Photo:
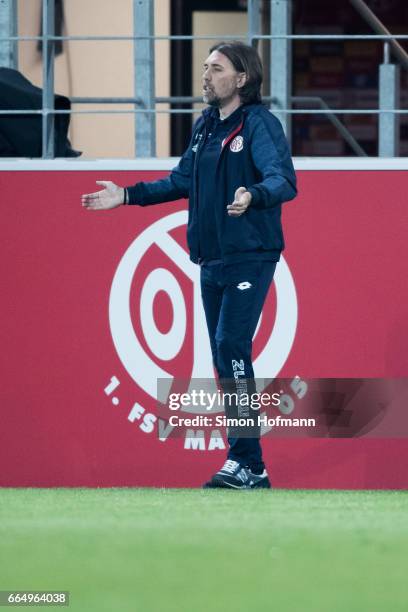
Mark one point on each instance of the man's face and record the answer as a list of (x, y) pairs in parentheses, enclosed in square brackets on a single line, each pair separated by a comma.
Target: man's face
[(221, 82)]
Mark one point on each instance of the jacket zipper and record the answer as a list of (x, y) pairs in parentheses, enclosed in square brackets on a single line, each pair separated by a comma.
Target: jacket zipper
[(199, 147)]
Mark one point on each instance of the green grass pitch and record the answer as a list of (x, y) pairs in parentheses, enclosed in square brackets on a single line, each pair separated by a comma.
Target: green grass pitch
[(159, 550)]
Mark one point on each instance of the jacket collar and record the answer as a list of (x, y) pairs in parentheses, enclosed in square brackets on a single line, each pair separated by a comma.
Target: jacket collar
[(213, 112)]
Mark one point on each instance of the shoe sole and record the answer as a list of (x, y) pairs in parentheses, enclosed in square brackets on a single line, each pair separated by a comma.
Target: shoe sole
[(221, 484)]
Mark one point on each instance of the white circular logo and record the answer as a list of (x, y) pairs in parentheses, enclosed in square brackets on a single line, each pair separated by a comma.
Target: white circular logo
[(166, 345), (237, 144)]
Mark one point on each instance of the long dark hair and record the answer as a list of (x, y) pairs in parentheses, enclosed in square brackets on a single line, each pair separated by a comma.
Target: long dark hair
[(244, 59)]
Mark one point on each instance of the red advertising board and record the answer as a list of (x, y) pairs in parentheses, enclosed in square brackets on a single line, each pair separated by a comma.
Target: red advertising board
[(96, 306)]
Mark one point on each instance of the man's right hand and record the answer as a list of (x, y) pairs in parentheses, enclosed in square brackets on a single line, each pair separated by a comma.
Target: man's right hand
[(110, 197)]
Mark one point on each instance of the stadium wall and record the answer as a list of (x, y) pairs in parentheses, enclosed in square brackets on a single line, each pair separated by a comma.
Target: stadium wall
[(85, 323)]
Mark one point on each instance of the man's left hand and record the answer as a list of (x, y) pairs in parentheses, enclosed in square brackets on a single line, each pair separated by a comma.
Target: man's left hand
[(242, 199)]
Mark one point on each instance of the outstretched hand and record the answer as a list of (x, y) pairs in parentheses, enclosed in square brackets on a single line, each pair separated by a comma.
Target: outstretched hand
[(242, 199), (110, 197)]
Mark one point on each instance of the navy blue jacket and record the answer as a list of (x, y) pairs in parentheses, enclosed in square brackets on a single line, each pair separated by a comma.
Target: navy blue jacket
[(254, 155)]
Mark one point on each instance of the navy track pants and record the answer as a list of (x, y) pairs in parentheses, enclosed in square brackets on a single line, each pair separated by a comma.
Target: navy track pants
[(233, 296)]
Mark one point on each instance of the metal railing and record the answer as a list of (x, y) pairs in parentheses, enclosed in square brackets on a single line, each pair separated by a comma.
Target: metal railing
[(280, 73)]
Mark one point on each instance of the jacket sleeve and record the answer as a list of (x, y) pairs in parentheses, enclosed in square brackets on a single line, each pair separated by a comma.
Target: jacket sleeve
[(270, 154), (173, 187)]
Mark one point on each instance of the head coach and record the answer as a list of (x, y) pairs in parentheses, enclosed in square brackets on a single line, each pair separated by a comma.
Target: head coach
[(236, 172)]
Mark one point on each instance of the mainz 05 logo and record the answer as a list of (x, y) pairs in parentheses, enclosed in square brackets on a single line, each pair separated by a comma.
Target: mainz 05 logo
[(158, 324)]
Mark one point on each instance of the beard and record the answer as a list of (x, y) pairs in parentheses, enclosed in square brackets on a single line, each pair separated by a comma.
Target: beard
[(215, 100), (211, 99)]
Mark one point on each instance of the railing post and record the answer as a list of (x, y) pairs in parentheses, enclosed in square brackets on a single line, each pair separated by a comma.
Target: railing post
[(145, 123), (8, 27), (389, 99), (254, 21), (281, 62), (48, 104)]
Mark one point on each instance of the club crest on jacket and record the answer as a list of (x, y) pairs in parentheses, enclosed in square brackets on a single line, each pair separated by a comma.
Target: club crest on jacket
[(237, 144)]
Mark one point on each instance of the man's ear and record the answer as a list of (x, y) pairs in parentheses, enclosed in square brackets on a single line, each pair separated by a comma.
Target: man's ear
[(242, 79)]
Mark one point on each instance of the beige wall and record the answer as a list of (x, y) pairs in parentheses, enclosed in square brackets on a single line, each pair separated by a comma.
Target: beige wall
[(212, 24), (99, 68)]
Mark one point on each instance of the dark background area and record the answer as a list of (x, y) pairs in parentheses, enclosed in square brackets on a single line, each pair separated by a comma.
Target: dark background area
[(343, 73)]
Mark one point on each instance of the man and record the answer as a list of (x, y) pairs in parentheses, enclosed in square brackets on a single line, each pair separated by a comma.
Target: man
[(236, 172)]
